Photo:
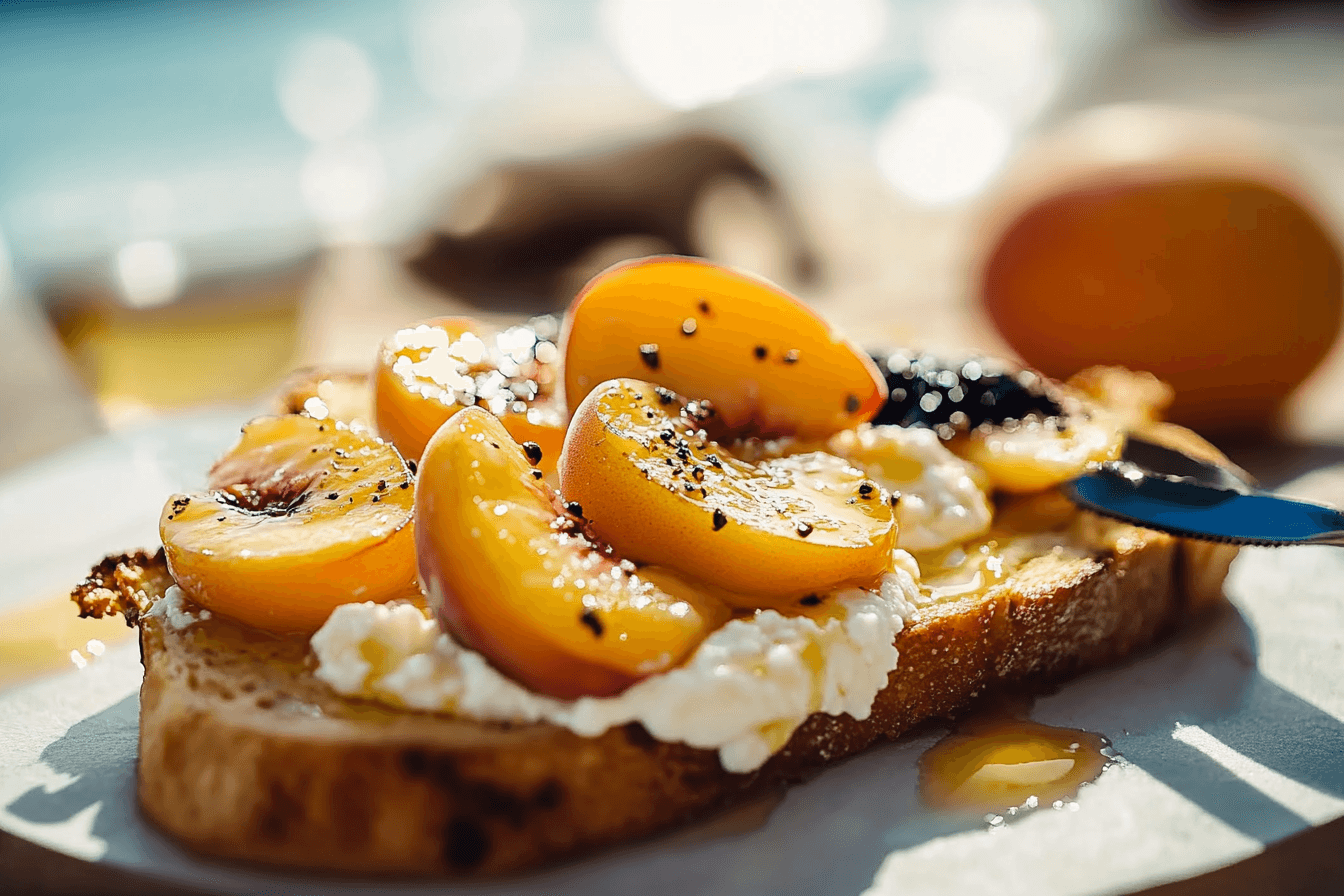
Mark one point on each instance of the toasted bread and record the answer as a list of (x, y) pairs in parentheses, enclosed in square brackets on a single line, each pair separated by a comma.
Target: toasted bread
[(245, 754)]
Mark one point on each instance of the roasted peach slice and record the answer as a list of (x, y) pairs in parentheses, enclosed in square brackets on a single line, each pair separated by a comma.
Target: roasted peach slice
[(426, 373), (513, 575), (656, 488), (328, 395), (767, 362), (1031, 455), (301, 515)]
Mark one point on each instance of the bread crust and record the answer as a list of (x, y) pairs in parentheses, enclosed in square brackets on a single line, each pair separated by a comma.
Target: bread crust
[(244, 754)]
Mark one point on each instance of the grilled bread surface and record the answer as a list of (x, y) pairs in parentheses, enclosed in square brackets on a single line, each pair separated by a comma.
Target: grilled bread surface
[(245, 754)]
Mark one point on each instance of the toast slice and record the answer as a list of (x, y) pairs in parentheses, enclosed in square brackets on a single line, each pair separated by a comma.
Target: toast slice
[(245, 754)]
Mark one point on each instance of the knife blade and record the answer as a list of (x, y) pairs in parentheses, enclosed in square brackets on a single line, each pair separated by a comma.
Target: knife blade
[(1190, 509)]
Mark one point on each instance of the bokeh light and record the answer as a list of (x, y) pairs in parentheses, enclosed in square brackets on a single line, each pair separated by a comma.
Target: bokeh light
[(998, 52), (688, 53), (327, 87), (149, 273), (343, 183), (468, 49), (941, 148)]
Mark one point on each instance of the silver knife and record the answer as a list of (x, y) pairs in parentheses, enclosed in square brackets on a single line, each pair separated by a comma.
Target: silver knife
[(1200, 500)]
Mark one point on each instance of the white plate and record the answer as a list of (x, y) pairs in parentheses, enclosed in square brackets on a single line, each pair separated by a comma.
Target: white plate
[(1231, 735)]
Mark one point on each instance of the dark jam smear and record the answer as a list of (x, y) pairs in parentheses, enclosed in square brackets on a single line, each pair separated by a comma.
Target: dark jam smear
[(955, 397)]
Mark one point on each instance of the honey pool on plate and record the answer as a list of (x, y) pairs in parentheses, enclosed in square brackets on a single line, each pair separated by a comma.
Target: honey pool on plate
[(47, 636), (997, 763)]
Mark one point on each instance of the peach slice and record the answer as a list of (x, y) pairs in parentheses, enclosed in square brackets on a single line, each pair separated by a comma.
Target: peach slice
[(1032, 455), (328, 395), (655, 487), (513, 575), (427, 372), (767, 362), (301, 515)]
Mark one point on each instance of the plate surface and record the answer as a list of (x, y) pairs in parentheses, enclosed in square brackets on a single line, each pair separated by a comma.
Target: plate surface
[(1232, 737)]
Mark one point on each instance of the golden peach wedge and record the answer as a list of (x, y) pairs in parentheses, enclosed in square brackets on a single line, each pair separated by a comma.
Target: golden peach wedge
[(1031, 455), (768, 363), (300, 516), (427, 372), (328, 394), (513, 575), (655, 487)]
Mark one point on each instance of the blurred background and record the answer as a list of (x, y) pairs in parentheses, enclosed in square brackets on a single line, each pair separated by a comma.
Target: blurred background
[(196, 199)]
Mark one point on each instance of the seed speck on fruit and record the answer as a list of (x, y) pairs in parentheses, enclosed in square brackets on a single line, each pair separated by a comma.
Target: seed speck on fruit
[(590, 619)]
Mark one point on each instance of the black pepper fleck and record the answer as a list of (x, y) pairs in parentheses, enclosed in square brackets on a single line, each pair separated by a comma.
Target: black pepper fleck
[(575, 508), (648, 353), (533, 452), (590, 619), (413, 467), (810, 601), (382, 485), (466, 844), (720, 519), (804, 529), (332, 496), (760, 352), (866, 489), (852, 403), (665, 396), (703, 306), (537, 474), (404, 485)]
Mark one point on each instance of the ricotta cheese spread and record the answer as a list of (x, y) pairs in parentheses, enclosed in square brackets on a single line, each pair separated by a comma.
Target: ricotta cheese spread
[(742, 692), (172, 609), (942, 503)]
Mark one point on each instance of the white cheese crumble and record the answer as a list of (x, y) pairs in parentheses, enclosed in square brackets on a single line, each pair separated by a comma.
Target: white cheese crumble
[(943, 499), (743, 691), (172, 609)]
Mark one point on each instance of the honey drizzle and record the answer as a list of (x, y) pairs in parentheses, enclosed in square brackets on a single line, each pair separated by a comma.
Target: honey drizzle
[(43, 637), (1000, 763)]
